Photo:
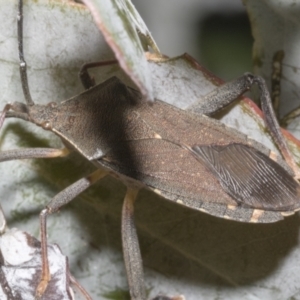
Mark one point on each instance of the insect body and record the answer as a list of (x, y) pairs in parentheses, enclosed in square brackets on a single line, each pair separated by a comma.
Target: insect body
[(184, 156), (195, 161), (140, 141)]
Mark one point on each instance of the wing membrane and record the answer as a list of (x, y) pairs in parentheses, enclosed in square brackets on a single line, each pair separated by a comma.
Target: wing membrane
[(249, 176)]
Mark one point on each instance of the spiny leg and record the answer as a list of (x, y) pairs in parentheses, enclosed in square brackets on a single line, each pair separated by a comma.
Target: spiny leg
[(229, 92), (55, 204), (131, 249)]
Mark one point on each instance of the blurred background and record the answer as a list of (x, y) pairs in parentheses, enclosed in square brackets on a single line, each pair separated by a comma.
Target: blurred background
[(215, 32)]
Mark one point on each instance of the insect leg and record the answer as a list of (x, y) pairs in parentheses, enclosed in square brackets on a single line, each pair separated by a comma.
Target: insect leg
[(26, 153), (272, 124), (222, 96), (86, 79), (80, 287), (131, 249), (55, 204)]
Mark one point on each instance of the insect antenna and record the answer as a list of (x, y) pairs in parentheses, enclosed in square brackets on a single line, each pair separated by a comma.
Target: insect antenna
[(17, 109), (23, 67)]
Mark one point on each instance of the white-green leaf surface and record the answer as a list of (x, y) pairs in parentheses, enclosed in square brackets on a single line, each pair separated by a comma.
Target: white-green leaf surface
[(128, 36)]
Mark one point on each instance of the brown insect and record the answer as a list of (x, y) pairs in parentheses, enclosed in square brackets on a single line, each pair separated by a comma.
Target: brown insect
[(184, 156)]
